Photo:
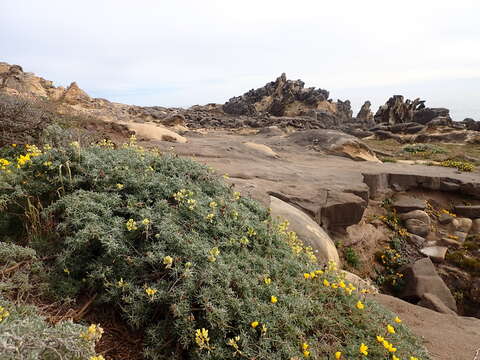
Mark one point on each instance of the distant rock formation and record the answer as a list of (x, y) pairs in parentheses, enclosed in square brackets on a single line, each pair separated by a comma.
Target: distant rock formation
[(365, 115), (397, 111), (290, 98)]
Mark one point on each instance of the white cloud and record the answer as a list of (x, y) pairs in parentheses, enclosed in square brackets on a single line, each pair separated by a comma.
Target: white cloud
[(185, 52)]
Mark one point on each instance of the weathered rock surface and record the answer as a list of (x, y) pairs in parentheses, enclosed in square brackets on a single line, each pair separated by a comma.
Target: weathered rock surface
[(365, 115), (417, 227), (436, 253), (335, 143), (421, 278), (405, 204), (431, 301), (472, 212), (307, 230), (447, 337), (397, 111)]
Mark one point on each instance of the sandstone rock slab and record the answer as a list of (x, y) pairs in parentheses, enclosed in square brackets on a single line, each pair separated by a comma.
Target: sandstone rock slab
[(307, 230)]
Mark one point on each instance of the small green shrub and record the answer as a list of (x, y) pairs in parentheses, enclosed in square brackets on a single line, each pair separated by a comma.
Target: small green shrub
[(26, 335), (204, 272), (351, 257)]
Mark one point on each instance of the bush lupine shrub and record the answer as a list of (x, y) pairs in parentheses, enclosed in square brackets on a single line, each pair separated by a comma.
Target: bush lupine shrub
[(206, 273), (26, 335)]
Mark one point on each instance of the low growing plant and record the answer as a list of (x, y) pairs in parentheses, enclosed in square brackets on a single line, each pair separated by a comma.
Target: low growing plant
[(203, 271)]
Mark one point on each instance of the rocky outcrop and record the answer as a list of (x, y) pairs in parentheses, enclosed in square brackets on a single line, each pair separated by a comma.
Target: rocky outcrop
[(334, 142), (471, 124), (290, 99), (421, 278), (277, 98), (397, 111), (365, 115)]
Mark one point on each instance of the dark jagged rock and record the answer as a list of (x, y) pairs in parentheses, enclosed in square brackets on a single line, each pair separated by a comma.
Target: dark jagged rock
[(397, 111), (284, 97), (365, 115), (471, 124)]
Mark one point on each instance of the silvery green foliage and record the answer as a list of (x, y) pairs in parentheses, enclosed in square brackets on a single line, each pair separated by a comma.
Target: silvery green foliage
[(24, 335)]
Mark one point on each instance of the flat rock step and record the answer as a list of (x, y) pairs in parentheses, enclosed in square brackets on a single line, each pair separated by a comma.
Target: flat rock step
[(472, 212)]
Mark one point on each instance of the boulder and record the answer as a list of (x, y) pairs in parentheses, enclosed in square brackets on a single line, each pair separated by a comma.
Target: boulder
[(335, 143), (436, 253), (404, 204), (417, 227), (154, 132), (416, 214), (461, 224), (74, 95), (471, 211), (341, 210), (306, 229), (416, 240), (421, 278), (445, 219), (358, 282), (173, 120), (431, 301)]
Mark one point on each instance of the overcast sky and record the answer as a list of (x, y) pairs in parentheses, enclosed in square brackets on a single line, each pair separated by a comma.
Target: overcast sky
[(180, 53)]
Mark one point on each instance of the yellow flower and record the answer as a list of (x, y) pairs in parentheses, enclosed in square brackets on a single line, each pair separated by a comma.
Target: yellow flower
[(325, 282), (363, 349), (360, 305), (254, 324), (395, 358), (264, 329), (213, 204), (210, 217), (226, 176), (168, 261), (306, 275), (397, 320), (202, 339), (306, 353), (334, 286), (318, 272), (305, 346), (215, 251), (120, 186), (98, 357), (211, 258), (3, 313), (131, 225), (66, 271), (380, 339), (47, 163), (93, 333), (14, 145), (338, 355), (342, 284), (236, 195), (121, 283), (267, 281), (390, 329), (273, 299), (414, 358), (146, 221), (150, 291)]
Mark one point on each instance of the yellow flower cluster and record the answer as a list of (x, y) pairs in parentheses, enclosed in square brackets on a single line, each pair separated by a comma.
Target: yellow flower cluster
[(3, 313), (151, 292), (131, 225), (234, 343), (202, 339), (236, 196), (4, 163), (263, 329), (295, 243), (93, 333), (168, 261), (213, 253), (106, 144), (305, 351), (121, 284)]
